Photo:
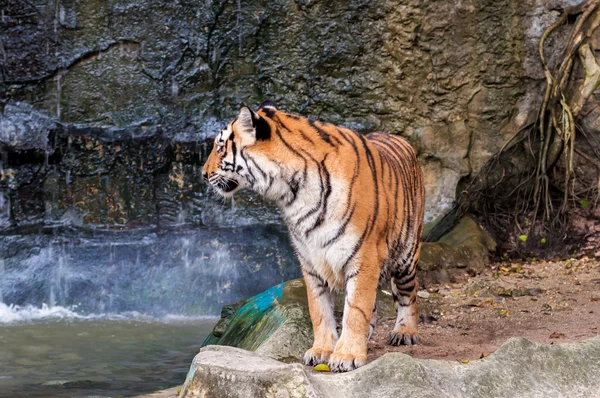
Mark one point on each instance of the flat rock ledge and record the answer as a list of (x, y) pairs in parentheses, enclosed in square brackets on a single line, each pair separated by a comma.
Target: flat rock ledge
[(519, 368)]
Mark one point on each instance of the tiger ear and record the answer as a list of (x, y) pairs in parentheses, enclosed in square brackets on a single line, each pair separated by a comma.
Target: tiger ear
[(252, 126), (245, 121)]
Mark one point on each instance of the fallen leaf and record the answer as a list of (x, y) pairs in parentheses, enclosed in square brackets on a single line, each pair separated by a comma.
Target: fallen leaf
[(322, 367), (557, 335), (504, 313), (464, 361)]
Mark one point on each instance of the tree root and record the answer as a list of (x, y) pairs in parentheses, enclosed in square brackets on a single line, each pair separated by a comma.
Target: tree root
[(538, 189)]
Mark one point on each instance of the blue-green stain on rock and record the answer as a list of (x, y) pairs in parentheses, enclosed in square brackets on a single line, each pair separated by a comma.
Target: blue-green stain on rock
[(266, 299), (254, 321)]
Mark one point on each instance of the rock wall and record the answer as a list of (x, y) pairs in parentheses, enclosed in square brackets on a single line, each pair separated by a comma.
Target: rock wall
[(106, 104)]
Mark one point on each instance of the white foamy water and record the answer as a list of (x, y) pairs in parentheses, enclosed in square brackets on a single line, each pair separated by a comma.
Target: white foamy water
[(11, 314), (14, 313)]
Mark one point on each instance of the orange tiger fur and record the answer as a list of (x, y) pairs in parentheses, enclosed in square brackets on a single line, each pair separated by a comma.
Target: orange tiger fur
[(354, 209)]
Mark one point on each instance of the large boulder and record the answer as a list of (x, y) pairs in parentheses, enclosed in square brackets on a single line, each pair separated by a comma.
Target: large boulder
[(519, 368), (466, 246)]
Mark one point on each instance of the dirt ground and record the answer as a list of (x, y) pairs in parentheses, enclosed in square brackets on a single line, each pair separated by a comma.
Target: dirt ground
[(544, 301)]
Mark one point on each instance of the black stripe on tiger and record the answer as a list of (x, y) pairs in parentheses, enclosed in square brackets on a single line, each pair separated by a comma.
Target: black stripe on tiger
[(324, 199)]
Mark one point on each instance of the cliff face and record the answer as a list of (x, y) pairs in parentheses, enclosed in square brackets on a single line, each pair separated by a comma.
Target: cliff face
[(107, 104)]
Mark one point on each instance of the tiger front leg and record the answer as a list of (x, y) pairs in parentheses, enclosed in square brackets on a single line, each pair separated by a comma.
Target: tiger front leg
[(320, 306), (351, 349)]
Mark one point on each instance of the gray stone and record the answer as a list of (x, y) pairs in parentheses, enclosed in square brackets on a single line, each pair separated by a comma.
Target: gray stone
[(519, 368), (22, 127), (466, 245)]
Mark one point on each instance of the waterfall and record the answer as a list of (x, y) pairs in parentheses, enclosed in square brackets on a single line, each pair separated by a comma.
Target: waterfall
[(134, 273)]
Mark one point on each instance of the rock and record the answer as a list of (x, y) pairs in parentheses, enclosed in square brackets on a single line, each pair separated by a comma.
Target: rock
[(274, 323), (168, 393), (227, 313), (522, 291), (544, 371), (22, 127), (467, 245), (423, 294)]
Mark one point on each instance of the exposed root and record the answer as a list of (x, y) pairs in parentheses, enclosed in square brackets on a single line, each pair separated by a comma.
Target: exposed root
[(538, 185)]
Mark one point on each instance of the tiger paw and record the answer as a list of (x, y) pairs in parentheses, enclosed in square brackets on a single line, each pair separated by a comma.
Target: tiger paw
[(315, 356), (405, 336), (339, 362)]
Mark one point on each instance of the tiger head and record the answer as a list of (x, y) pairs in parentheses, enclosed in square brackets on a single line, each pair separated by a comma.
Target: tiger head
[(227, 169)]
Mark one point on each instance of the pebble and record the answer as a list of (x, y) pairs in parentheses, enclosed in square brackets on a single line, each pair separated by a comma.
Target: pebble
[(423, 294)]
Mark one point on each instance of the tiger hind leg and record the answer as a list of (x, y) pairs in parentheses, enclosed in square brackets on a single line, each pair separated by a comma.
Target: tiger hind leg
[(373, 322), (404, 292)]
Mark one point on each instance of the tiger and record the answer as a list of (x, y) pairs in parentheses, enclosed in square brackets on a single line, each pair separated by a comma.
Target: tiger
[(354, 209)]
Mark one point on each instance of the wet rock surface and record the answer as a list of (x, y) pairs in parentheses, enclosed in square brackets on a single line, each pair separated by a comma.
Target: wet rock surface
[(457, 79), (519, 368), (79, 177)]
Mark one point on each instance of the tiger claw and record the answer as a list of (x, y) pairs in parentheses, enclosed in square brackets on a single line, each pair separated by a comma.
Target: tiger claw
[(339, 363), (397, 339), (316, 356)]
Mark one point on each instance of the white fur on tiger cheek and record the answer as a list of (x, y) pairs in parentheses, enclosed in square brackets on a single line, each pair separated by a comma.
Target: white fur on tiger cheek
[(271, 181)]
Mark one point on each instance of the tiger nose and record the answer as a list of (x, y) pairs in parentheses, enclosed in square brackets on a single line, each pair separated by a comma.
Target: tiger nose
[(205, 175)]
